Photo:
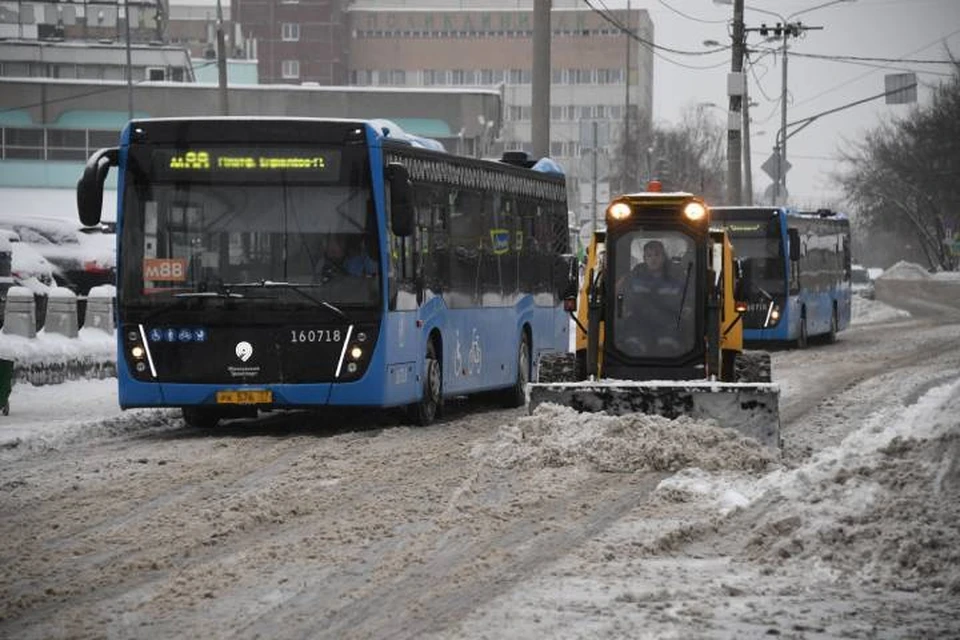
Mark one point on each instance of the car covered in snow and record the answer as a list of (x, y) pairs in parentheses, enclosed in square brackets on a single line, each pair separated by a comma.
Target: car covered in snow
[(28, 267), (82, 257)]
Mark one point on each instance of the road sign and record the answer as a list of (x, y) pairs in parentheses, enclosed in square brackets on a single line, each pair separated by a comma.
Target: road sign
[(770, 166), (900, 88)]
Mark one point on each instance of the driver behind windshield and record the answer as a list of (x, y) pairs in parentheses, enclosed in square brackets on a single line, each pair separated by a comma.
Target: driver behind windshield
[(655, 312)]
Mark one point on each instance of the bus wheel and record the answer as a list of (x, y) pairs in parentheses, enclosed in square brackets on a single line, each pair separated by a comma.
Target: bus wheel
[(430, 406), (803, 339), (516, 395), (200, 417)]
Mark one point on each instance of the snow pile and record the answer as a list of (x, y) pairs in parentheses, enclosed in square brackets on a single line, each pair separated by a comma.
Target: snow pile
[(904, 270), (90, 344), (947, 276), (865, 311), (557, 436), (881, 508)]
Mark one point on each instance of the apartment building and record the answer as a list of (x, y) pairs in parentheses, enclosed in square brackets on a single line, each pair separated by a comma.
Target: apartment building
[(489, 43), (296, 41)]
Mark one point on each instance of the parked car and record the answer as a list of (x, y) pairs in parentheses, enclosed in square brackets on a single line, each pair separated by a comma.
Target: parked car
[(83, 257), (861, 281), (28, 267)]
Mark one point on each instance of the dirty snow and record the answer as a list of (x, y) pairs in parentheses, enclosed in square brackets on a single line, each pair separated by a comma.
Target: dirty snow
[(858, 539)]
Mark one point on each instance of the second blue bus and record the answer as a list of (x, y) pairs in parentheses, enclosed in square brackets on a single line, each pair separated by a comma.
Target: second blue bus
[(800, 266)]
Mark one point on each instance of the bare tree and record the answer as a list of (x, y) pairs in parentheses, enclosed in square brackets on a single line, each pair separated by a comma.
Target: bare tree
[(690, 156), (903, 181)]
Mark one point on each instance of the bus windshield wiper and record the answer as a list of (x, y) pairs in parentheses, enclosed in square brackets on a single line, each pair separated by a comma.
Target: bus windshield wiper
[(296, 288), (223, 293)]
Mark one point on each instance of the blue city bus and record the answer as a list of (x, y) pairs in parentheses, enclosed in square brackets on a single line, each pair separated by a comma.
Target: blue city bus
[(229, 301), (799, 266)]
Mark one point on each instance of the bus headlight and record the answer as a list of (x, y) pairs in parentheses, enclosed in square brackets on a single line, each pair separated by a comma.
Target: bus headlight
[(619, 211), (695, 211), (356, 353), (138, 352)]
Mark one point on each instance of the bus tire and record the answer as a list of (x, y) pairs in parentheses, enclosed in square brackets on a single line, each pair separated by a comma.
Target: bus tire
[(200, 417), (516, 395), (430, 406), (803, 340)]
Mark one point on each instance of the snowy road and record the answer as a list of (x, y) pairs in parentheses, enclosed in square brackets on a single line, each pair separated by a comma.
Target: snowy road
[(497, 525)]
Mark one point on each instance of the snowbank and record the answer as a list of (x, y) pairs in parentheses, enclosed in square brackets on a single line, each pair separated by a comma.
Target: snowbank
[(904, 270)]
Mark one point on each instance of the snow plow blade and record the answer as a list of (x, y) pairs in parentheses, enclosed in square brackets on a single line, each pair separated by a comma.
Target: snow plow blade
[(750, 408)]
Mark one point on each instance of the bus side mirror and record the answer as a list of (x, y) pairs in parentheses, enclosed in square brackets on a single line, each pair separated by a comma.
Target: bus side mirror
[(566, 280), (401, 200), (90, 185), (793, 237)]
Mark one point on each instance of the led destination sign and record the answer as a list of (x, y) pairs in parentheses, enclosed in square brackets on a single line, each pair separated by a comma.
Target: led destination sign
[(230, 164)]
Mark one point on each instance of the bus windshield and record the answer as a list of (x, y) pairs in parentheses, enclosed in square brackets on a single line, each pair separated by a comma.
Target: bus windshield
[(220, 221), (757, 243)]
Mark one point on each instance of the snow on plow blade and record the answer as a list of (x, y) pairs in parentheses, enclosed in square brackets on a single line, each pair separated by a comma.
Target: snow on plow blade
[(750, 408)]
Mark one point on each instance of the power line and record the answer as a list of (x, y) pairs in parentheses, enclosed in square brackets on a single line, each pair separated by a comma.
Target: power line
[(606, 15), (864, 75), (689, 17), (845, 58)]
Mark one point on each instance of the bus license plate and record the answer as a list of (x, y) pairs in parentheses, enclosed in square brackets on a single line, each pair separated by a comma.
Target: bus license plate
[(247, 396)]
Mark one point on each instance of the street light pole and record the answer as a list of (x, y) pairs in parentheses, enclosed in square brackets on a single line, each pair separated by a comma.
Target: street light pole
[(747, 164)]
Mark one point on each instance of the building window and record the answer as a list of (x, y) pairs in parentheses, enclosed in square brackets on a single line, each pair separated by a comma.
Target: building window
[(290, 69), (290, 31)]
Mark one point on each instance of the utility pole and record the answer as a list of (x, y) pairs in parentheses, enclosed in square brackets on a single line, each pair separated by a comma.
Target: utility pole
[(735, 88), (786, 29), (222, 62), (540, 89), (126, 23), (627, 145)]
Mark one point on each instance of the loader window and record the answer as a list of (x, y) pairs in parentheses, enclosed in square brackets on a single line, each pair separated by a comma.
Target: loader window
[(656, 296)]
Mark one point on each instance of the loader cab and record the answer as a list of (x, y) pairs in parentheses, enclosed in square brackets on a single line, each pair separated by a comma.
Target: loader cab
[(656, 301)]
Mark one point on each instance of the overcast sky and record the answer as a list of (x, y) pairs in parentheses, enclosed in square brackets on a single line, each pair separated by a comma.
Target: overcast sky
[(893, 29), (898, 29)]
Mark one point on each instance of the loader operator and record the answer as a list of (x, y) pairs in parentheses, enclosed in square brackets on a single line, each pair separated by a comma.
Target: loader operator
[(654, 322)]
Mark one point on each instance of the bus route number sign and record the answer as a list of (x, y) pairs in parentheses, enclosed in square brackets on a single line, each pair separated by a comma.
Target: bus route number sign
[(165, 269)]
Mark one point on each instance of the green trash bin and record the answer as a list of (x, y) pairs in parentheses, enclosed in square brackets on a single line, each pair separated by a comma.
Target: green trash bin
[(6, 384)]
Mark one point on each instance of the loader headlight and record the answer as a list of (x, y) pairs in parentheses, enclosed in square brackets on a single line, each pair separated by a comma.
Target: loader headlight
[(695, 211), (619, 211)]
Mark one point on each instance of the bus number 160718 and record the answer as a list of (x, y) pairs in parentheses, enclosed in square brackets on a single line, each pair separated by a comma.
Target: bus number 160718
[(315, 335)]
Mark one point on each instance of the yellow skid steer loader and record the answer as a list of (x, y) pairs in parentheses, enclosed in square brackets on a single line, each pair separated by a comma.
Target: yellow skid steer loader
[(659, 329)]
